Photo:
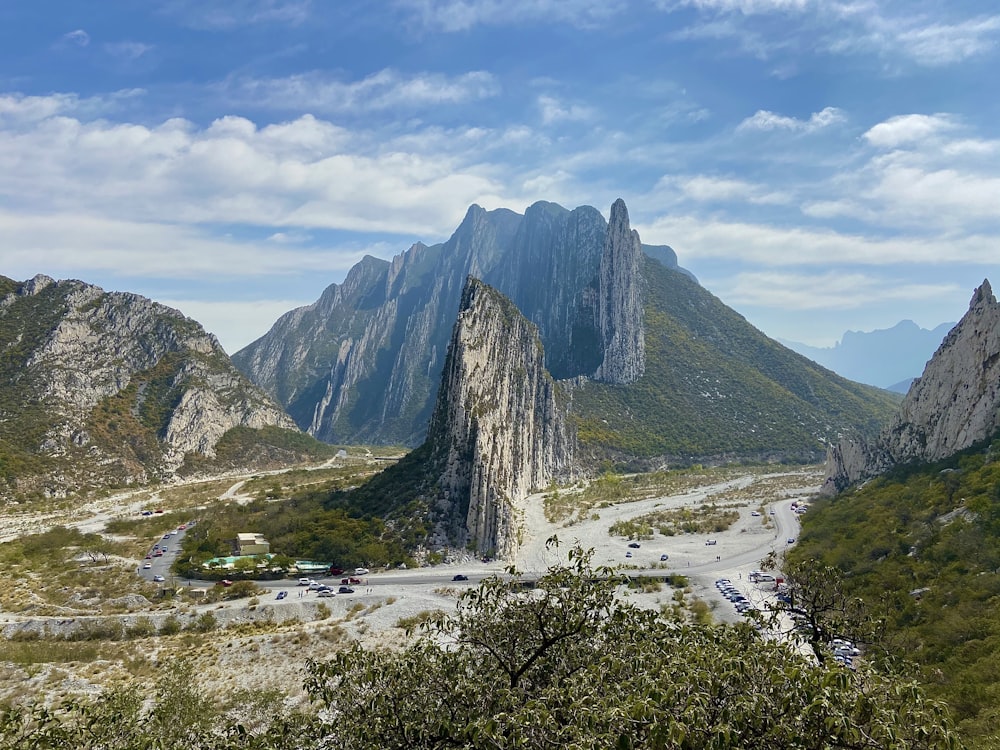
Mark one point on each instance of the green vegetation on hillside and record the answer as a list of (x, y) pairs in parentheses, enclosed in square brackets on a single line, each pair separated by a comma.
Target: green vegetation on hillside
[(715, 386), (921, 545)]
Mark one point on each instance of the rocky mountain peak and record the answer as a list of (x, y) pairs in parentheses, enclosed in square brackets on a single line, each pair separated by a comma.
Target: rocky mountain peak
[(620, 308), (952, 406), (497, 431)]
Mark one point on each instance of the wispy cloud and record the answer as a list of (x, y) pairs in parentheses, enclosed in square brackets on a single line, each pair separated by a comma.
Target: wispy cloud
[(127, 50), (766, 120), (460, 15), (833, 290), (229, 14), (387, 89), (553, 110), (708, 189), (78, 37)]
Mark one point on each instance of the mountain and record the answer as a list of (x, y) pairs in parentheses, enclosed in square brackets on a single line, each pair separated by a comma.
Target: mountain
[(363, 363), (674, 377), (108, 388), (953, 405), (889, 358)]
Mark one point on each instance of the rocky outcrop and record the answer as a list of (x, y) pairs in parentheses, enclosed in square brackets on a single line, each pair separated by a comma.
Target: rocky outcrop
[(498, 431), (952, 406), (115, 380), (362, 363), (620, 310)]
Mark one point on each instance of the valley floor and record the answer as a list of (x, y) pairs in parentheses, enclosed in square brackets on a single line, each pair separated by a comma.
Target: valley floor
[(264, 643)]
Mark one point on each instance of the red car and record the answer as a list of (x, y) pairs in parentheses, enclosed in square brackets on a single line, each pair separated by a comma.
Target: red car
[(349, 581), (335, 571), (224, 582)]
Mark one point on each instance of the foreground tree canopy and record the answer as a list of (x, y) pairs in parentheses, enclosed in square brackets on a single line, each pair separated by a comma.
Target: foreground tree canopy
[(565, 664)]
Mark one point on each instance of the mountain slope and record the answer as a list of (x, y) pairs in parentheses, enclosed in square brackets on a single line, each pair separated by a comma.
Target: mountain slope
[(363, 363), (108, 388), (715, 388)]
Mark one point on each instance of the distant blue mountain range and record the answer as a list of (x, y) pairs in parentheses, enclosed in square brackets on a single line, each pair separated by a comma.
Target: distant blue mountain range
[(888, 358)]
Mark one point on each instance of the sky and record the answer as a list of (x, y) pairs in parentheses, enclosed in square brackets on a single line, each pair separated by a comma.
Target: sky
[(819, 165)]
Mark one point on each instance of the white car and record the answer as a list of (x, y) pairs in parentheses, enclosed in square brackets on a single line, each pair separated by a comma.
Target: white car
[(305, 581), (361, 571), (147, 566)]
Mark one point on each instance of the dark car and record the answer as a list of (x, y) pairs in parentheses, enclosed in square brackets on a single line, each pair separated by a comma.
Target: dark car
[(335, 571), (459, 577), (664, 557), (634, 545), (345, 590), (282, 594)]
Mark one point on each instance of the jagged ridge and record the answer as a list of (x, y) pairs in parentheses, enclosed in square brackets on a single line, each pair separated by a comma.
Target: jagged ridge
[(953, 405), (108, 387)]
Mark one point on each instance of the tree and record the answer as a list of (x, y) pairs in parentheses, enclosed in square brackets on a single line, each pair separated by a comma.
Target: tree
[(568, 663)]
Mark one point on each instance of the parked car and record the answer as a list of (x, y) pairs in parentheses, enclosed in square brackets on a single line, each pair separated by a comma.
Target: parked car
[(634, 545), (664, 557), (159, 579), (754, 513), (345, 590), (335, 571), (281, 595), (224, 582), (147, 513), (791, 540), (147, 566), (325, 592), (361, 571), (710, 542), (628, 554), (459, 577), (305, 581)]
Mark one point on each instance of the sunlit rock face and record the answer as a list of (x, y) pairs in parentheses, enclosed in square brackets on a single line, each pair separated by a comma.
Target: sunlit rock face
[(498, 429), (953, 405), (126, 387)]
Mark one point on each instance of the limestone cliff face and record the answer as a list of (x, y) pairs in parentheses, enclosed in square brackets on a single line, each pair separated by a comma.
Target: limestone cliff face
[(362, 364), (498, 429), (620, 311), (117, 380), (953, 405)]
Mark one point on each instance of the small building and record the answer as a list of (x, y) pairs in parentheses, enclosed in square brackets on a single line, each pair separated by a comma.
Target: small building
[(252, 544)]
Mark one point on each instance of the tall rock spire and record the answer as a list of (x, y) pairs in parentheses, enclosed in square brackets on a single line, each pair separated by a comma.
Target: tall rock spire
[(620, 311), (498, 432)]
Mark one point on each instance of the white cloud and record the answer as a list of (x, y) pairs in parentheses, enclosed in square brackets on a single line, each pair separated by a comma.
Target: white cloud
[(833, 290), (77, 36), (944, 44), (700, 238), (907, 129), (460, 15), (708, 189), (387, 89), (127, 50), (229, 14), (765, 120), (555, 111), (235, 323), (746, 7)]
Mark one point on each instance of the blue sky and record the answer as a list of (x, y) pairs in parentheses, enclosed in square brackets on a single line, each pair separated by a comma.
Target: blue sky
[(820, 165)]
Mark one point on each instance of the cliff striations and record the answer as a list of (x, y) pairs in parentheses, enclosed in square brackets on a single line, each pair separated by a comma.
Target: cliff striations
[(497, 431), (108, 387), (621, 306), (362, 363), (953, 405)]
